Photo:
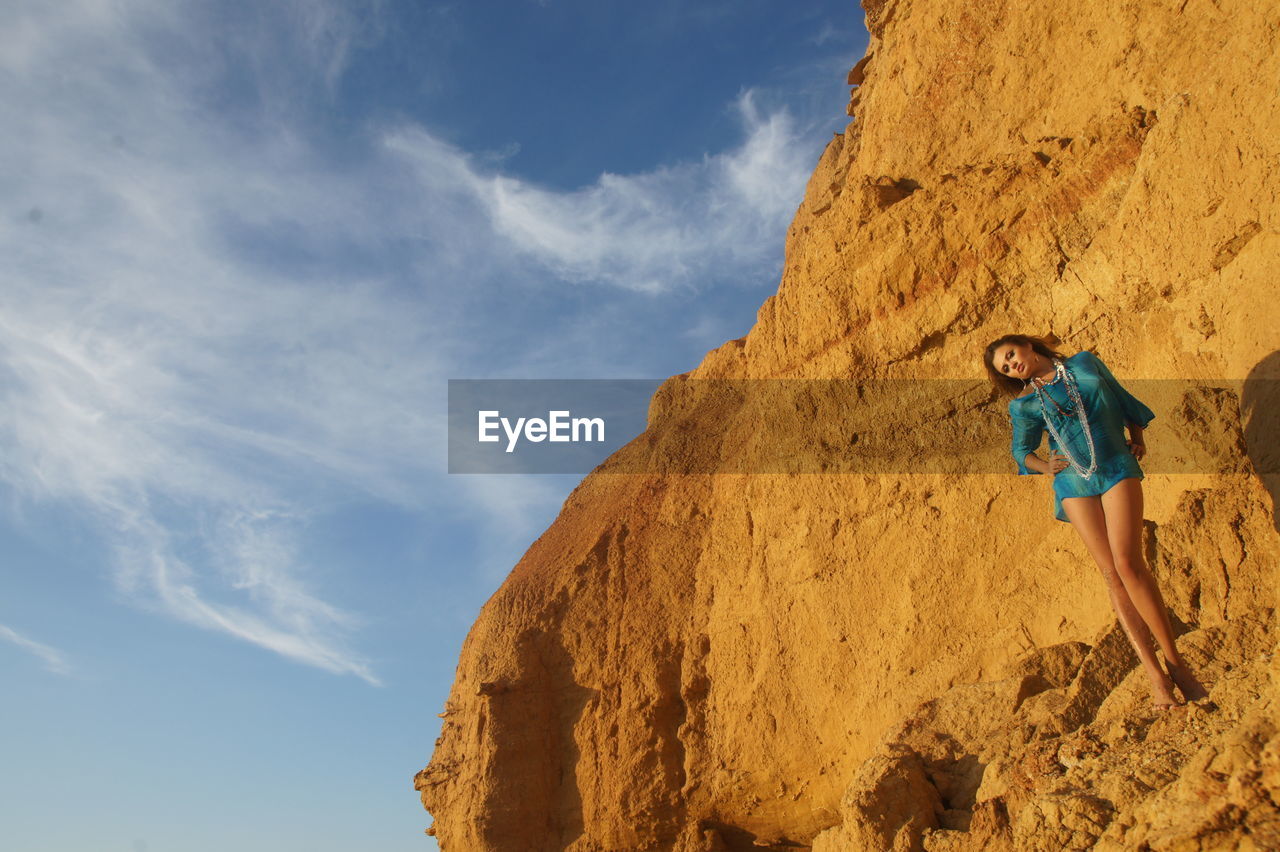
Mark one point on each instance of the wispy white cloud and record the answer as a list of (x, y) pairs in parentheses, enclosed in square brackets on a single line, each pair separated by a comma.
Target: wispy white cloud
[(329, 32), (54, 660), (678, 226), (200, 399), (254, 558), (210, 333)]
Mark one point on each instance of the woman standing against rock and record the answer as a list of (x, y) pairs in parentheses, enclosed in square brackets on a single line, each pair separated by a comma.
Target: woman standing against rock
[(1097, 482)]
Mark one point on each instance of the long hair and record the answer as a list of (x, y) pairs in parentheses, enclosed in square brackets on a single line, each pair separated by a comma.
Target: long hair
[(1008, 385)]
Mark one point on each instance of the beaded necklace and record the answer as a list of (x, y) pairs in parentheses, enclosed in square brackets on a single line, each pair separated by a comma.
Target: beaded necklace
[(1073, 391)]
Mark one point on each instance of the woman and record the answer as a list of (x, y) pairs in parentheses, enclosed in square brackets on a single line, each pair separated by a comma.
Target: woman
[(1096, 482)]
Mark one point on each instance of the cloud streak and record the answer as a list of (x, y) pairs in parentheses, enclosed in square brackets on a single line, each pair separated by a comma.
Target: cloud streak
[(681, 226), (53, 659)]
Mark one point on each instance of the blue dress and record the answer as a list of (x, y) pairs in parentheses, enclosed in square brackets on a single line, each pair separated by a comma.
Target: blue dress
[(1109, 407)]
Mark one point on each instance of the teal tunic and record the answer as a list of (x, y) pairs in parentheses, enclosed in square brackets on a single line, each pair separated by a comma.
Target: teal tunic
[(1109, 407)]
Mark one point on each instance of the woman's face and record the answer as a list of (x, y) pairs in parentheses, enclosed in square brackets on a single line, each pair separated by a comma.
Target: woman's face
[(1016, 362)]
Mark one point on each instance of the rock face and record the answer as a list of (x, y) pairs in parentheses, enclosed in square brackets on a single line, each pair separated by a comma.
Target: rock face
[(907, 660)]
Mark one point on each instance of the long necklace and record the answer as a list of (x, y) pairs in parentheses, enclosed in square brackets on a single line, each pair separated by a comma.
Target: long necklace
[(1073, 391)]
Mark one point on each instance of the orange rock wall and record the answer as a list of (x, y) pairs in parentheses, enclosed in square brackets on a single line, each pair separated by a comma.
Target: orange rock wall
[(929, 660)]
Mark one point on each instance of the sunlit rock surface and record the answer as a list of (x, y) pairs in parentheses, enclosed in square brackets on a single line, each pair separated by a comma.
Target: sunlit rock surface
[(894, 659)]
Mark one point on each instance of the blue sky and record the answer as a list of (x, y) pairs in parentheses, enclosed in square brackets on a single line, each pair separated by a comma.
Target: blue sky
[(246, 245)]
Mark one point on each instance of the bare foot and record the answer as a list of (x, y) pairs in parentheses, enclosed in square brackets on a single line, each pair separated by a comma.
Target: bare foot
[(1162, 697), (1191, 689)]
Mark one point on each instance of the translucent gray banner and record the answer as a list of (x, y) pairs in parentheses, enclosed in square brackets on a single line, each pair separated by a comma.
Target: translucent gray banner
[(952, 426)]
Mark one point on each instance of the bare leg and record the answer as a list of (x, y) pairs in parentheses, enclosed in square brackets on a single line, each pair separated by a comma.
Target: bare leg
[(1086, 515), (1122, 506)]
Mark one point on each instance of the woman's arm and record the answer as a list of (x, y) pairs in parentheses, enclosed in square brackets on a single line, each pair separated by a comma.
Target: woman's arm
[(1027, 434), (1034, 464)]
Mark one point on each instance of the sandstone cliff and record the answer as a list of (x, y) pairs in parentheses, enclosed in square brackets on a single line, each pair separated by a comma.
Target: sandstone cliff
[(872, 660)]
